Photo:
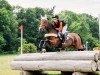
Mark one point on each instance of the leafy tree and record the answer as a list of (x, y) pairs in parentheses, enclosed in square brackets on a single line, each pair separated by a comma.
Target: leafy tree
[(2, 42), (8, 27), (30, 19), (93, 24), (5, 4)]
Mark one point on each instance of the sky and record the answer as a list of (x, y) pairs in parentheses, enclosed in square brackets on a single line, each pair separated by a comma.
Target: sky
[(79, 6)]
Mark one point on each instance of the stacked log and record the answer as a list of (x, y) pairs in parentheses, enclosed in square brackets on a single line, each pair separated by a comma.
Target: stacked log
[(79, 62), (74, 55)]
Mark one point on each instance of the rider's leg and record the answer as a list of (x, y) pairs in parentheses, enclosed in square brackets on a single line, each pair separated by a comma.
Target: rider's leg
[(65, 33), (64, 37), (60, 34), (64, 29)]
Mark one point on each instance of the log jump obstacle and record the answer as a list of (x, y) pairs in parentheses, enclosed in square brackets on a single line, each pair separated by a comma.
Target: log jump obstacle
[(78, 62)]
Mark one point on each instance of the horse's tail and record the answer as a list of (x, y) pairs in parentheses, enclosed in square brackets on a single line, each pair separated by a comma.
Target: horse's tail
[(82, 42), (80, 38)]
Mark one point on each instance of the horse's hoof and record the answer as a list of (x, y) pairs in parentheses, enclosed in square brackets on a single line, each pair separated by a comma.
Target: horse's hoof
[(62, 51), (63, 43), (43, 51)]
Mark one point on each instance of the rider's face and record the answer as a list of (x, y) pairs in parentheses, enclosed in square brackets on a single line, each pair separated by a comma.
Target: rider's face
[(55, 19)]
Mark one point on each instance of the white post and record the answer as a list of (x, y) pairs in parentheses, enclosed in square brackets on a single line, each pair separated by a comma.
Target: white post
[(87, 45), (22, 40)]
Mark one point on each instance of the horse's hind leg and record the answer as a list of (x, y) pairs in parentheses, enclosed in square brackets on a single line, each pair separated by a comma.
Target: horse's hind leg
[(81, 49)]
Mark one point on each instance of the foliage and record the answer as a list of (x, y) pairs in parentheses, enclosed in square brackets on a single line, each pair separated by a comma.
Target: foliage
[(2, 42), (30, 18), (5, 4), (28, 48), (8, 28)]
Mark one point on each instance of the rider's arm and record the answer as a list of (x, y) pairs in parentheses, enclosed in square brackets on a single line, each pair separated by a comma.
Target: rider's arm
[(60, 27)]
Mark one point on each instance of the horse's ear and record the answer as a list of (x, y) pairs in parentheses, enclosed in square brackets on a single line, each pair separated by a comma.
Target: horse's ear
[(44, 17)]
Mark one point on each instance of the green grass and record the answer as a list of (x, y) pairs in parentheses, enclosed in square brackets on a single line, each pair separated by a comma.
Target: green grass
[(5, 68), (5, 61)]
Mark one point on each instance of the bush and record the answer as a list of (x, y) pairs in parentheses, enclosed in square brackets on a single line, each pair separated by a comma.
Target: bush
[(28, 48), (96, 48)]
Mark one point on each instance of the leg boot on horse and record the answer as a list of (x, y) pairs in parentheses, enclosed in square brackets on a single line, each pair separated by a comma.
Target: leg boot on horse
[(42, 46)]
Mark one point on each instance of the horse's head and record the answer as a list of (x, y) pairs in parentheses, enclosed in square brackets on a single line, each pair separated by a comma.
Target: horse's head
[(44, 23)]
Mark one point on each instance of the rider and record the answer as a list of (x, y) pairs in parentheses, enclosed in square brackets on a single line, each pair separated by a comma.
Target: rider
[(61, 29)]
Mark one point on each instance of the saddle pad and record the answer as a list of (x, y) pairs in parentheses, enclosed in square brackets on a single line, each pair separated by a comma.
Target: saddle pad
[(50, 34)]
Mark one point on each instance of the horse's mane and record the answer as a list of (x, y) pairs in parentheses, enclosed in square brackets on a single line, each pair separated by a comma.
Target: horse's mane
[(49, 24), (50, 27)]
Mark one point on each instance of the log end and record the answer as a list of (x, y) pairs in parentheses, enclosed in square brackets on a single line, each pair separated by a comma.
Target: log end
[(98, 64), (94, 66), (96, 57)]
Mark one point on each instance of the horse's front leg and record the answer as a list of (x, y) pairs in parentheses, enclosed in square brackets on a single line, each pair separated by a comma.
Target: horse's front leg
[(43, 50), (42, 46)]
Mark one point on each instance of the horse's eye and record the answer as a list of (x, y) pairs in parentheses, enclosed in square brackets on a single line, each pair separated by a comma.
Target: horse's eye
[(48, 37)]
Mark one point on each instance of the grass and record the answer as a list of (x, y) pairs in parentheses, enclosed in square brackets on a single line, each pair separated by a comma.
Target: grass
[(5, 61), (5, 68)]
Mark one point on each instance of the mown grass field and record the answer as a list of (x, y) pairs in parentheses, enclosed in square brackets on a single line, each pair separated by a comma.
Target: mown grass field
[(5, 69), (5, 61)]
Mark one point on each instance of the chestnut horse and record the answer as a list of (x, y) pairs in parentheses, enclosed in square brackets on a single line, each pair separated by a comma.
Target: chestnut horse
[(73, 40)]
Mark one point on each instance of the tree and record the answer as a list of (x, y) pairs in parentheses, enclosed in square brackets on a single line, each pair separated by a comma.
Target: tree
[(93, 24), (30, 19), (50, 11), (2, 42), (8, 28), (5, 4)]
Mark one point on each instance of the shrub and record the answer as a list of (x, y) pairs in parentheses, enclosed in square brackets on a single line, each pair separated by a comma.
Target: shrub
[(28, 48)]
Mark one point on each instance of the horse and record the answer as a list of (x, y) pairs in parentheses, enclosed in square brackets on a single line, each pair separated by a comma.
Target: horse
[(73, 39)]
